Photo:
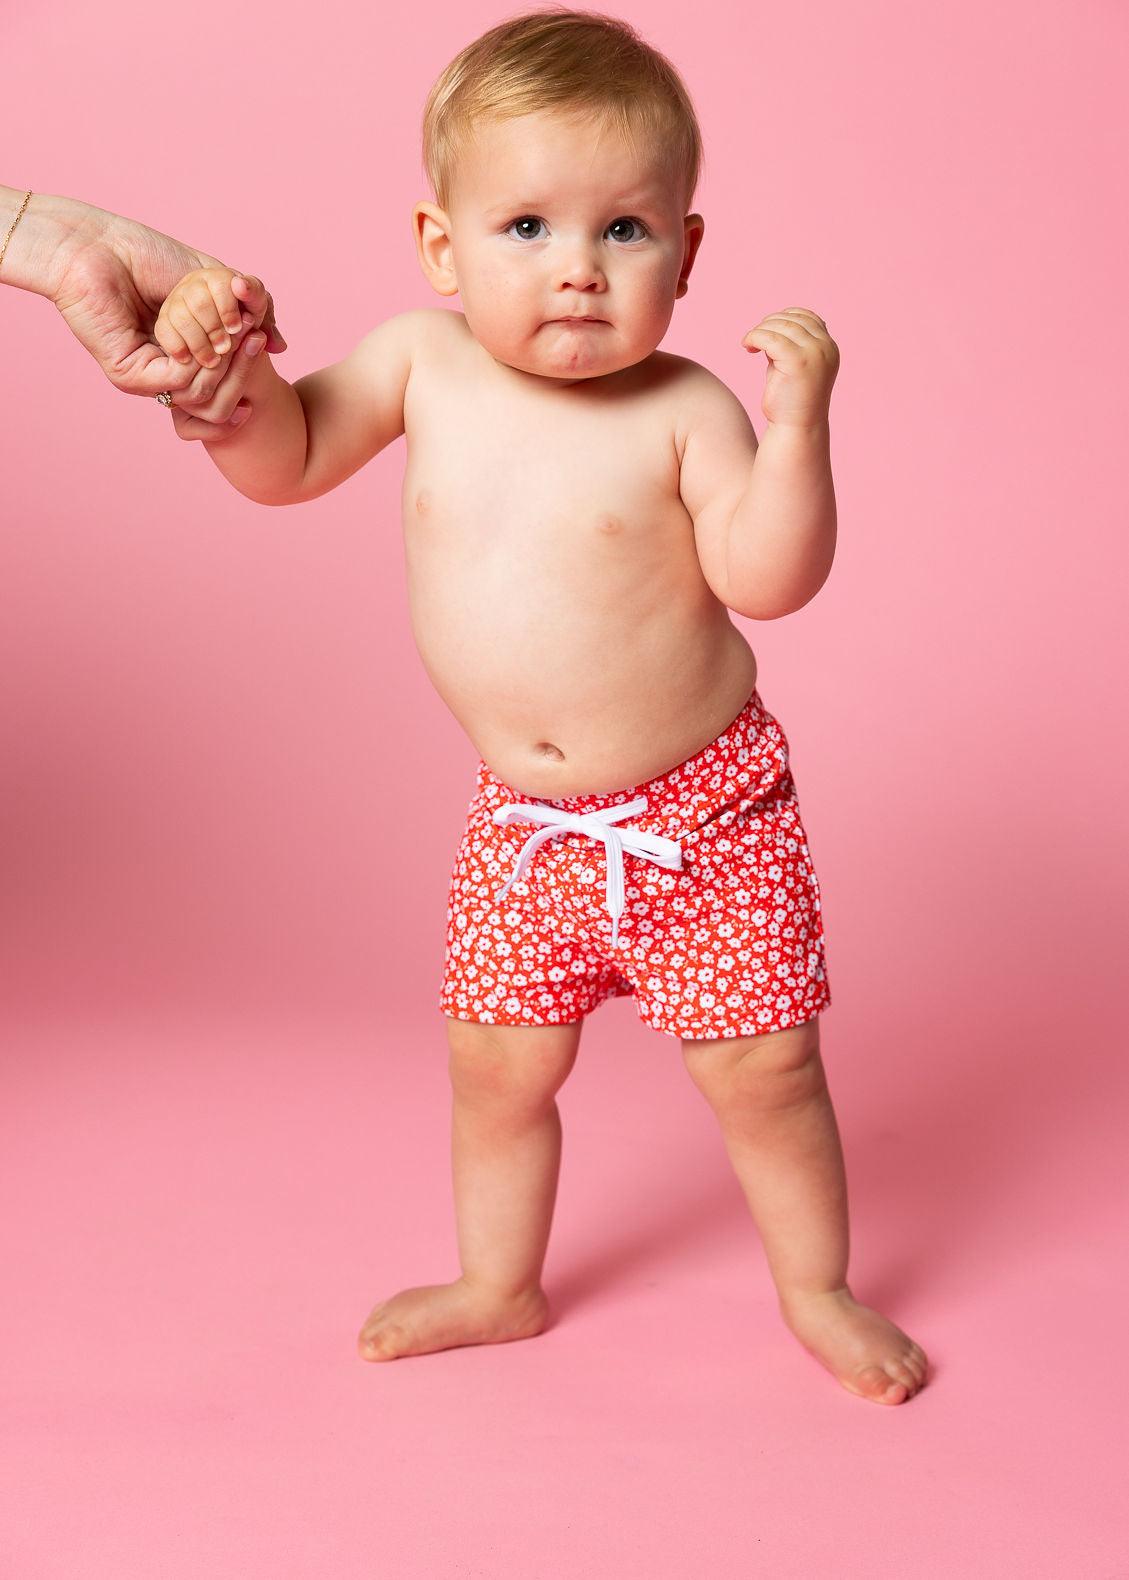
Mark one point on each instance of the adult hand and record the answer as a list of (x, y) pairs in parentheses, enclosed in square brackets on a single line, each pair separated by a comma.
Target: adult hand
[(111, 278)]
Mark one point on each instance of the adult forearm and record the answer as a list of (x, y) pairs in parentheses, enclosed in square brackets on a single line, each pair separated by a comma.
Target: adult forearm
[(51, 229), (781, 540), (46, 227), (265, 459)]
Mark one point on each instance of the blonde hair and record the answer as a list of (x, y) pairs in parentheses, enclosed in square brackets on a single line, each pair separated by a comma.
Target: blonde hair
[(558, 59)]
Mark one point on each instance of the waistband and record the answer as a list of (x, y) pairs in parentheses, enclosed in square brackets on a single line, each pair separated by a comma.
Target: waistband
[(748, 758)]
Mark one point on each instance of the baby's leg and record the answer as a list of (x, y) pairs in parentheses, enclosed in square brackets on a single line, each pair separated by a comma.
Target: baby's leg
[(771, 1097), (506, 1154)]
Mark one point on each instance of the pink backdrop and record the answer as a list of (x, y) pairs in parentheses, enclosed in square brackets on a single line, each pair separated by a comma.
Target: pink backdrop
[(230, 800)]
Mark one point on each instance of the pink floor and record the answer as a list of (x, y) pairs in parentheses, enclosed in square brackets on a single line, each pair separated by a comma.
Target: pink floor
[(198, 1218)]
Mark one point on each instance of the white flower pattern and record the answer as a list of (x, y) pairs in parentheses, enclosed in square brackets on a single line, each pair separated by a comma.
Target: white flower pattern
[(730, 946)]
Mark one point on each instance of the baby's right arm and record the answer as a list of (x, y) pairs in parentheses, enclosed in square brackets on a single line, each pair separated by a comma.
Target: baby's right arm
[(301, 439)]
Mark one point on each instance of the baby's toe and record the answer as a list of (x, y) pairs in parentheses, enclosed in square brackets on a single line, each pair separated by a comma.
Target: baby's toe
[(917, 1364), (876, 1383), (901, 1371), (383, 1341), (369, 1338)]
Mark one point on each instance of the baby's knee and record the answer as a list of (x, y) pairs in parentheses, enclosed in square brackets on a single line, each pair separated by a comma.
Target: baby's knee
[(773, 1069), (510, 1068)]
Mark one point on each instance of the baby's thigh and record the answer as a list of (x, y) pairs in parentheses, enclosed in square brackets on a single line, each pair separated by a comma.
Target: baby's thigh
[(511, 1067)]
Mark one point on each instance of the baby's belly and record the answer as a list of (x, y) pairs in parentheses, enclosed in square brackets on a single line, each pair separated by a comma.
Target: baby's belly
[(580, 689)]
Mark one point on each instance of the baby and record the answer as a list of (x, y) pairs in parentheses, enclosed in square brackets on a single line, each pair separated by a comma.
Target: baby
[(581, 512)]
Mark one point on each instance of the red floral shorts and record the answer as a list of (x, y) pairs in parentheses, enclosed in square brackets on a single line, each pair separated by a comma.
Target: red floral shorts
[(694, 891)]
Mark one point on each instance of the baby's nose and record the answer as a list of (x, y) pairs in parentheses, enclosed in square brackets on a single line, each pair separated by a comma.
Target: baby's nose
[(580, 270)]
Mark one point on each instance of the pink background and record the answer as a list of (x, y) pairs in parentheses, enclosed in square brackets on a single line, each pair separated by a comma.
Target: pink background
[(230, 801)]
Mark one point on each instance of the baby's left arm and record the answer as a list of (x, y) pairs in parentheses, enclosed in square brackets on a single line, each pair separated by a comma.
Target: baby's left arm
[(764, 515)]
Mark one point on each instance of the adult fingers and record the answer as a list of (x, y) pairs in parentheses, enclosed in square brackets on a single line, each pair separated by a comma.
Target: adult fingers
[(190, 427), (218, 406), (192, 385)]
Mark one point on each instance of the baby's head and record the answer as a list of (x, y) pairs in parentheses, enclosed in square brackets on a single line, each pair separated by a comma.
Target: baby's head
[(564, 153)]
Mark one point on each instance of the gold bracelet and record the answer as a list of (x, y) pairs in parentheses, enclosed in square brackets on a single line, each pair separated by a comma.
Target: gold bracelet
[(12, 227)]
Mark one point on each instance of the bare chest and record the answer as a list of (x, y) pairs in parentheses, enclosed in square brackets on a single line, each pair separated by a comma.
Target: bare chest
[(555, 591), (564, 495)]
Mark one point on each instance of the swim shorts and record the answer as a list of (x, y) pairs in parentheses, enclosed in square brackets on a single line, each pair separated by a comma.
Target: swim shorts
[(693, 891)]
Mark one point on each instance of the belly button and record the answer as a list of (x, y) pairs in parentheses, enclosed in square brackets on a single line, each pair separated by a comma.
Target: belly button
[(547, 749)]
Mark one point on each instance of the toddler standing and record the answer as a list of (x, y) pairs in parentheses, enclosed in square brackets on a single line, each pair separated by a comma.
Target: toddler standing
[(581, 513)]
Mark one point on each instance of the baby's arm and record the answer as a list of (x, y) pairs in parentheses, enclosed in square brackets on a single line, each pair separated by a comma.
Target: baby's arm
[(303, 439), (762, 543)]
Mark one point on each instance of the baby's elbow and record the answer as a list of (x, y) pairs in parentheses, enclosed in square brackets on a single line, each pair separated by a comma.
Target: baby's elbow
[(763, 613), (766, 608), (274, 500)]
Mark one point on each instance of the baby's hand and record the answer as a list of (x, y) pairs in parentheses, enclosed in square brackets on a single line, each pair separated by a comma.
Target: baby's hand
[(205, 318), (803, 361), (202, 314), (216, 415)]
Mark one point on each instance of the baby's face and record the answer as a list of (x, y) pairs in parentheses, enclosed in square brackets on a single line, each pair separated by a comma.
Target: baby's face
[(568, 250)]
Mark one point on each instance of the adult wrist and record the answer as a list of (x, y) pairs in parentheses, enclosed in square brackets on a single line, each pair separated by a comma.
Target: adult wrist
[(46, 231)]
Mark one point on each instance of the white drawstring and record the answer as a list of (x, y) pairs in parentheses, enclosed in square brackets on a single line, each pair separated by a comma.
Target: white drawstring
[(636, 842)]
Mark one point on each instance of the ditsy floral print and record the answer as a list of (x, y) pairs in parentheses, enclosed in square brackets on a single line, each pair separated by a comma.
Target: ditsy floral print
[(729, 946)]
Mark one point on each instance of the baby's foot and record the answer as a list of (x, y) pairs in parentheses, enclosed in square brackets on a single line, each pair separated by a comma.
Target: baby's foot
[(443, 1316), (865, 1351)]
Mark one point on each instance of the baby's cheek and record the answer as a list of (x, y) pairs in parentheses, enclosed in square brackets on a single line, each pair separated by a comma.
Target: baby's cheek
[(658, 292), (500, 296)]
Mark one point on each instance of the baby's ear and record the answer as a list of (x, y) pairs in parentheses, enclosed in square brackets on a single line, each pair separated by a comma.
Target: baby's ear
[(694, 227), (431, 230)]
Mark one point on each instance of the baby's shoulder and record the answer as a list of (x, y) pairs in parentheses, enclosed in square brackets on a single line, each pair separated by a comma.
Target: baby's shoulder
[(433, 335), (697, 395), (433, 323), (438, 319), (421, 327), (690, 378)]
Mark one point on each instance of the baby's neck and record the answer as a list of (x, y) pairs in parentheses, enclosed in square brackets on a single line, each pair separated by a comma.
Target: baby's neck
[(536, 384)]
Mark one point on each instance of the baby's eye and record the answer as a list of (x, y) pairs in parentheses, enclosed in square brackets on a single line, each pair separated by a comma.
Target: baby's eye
[(531, 219), (637, 226), (526, 219)]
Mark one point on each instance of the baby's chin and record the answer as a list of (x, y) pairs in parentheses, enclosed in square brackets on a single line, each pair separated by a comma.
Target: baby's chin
[(589, 353)]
